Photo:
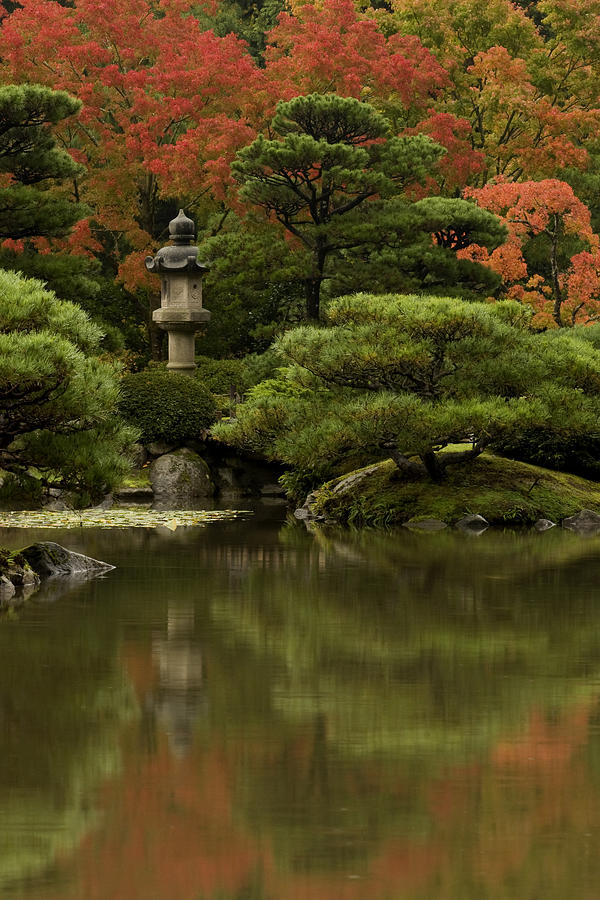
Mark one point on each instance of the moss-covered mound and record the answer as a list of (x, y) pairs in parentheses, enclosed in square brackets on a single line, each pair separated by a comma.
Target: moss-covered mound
[(503, 491)]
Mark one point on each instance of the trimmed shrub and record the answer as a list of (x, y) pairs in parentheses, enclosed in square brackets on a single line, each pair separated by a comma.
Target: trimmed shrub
[(218, 375), (575, 453), (166, 407)]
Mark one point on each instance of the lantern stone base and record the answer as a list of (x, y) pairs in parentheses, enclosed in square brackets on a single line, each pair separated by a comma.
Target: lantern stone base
[(182, 348), (181, 325)]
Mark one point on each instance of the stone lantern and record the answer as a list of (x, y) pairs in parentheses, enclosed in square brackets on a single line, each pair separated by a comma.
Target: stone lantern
[(181, 313)]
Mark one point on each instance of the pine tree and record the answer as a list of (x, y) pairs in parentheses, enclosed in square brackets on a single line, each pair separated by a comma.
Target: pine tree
[(57, 398), (337, 181), (30, 204), (405, 377)]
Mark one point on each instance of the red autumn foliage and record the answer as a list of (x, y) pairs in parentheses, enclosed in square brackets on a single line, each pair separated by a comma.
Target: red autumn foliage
[(141, 99), (333, 48)]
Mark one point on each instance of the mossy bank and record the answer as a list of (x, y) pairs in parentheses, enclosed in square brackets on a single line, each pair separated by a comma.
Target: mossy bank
[(503, 491)]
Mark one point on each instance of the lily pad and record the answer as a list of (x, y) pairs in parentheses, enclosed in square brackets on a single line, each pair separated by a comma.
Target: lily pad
[(122, 517)]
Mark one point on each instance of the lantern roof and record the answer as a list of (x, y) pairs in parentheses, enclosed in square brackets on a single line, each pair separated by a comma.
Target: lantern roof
[(181, 255)]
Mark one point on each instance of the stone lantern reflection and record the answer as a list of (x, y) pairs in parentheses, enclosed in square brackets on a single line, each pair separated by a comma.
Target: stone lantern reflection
[(181, 313)]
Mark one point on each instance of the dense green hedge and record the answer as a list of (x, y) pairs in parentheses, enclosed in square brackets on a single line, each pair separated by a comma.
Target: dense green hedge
[(219, 375), (166, 407), (576, 453)]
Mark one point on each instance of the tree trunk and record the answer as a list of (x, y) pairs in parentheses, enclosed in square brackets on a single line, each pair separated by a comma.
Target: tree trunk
[(437, 463), (558, 297), (407, 466), (312, 288), (146, 216), (313, 285), (432, 464)]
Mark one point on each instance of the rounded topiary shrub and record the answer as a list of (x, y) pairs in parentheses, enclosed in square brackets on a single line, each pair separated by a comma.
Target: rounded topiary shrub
[(166, 407)]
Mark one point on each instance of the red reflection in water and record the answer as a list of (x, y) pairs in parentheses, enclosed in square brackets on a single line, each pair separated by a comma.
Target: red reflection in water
[(169, 829)]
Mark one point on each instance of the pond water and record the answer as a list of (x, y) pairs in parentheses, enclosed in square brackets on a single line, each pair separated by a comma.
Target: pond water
[(246, 711)]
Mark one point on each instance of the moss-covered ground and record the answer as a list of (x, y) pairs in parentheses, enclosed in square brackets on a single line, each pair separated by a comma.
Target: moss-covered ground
[(501, 490), (137, 478)]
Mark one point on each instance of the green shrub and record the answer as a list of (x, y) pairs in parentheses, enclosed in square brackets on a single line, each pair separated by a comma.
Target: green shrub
[(260, 366), (58, 397), (576, 453), (219, 375), (166, 407), (406, 377), (567, 442), (22, 490)]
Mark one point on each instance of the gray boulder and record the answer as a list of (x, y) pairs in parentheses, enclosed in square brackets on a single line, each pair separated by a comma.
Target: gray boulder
[(585, 521), (159, 448), (22, 577), (474, 524), (56, 506), (305, 513), (347, 482), (181, 475), (544, 525), (47, 559), (59, 500)]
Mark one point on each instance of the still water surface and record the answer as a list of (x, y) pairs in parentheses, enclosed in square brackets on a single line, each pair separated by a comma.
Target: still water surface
[(249, 712)]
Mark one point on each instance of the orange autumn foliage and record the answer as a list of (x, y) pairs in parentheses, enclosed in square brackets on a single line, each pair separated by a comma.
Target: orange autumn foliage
[(565, 293)]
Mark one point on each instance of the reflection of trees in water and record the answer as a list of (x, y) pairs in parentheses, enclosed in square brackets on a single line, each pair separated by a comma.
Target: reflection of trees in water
[(523, 822), (416, 643), (406, 655), (415, 710), (62, 704)]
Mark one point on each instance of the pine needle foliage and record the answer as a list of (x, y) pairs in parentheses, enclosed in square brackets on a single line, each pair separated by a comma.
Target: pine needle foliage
[(404, 377), (58, 399)]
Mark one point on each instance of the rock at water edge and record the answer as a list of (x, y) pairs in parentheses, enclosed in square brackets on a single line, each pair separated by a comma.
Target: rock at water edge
[(47, 558), (472, 523), (180, 475), (7, 589), (586, 520), (544, 525)]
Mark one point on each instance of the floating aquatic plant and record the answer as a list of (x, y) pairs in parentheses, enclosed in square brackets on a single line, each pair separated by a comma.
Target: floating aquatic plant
[(122, 517)]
